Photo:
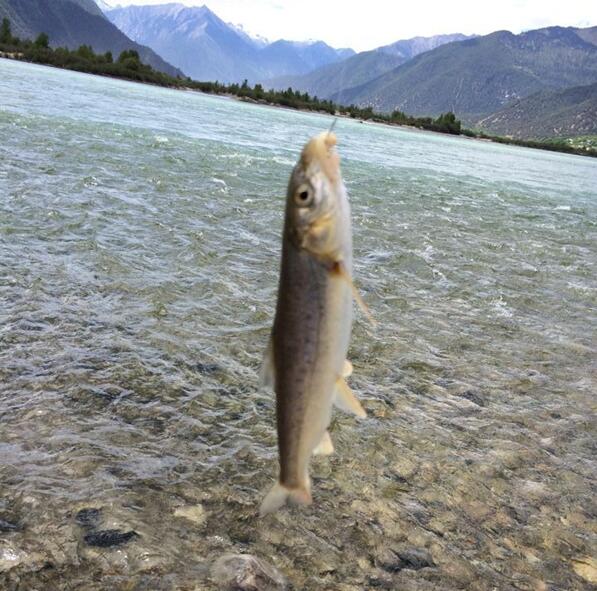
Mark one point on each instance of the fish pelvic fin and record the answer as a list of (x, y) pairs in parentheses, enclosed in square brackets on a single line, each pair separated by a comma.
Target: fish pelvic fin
[(347, 401), (347, 369), (340, 269), (279, 495), (267, 373), (325, 447)]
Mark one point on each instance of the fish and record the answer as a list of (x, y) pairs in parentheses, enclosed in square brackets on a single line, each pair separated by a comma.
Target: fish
[(305, 361)]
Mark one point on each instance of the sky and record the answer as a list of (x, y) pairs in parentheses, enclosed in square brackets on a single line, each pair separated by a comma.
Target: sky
[(366, 25)]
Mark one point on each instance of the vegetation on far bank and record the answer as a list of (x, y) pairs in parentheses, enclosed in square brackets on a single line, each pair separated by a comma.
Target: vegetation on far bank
[(129, 66)]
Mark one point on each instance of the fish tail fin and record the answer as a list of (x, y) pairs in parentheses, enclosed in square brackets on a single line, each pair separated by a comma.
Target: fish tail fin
[(279, 495)]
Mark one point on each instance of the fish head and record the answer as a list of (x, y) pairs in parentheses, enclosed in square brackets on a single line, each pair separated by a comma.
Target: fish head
[(317, 210)]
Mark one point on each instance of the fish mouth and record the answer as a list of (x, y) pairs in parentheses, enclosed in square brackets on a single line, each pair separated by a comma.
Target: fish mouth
[(320, 152)]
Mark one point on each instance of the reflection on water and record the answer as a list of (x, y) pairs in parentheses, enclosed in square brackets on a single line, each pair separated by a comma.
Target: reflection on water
[(139, 245)]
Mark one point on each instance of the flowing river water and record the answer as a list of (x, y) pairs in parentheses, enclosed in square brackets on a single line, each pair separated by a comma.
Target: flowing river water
[(139, 256)]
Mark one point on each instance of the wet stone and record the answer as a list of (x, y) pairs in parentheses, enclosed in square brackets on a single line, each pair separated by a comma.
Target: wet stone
[(194, 513), (394, 561), (109, 537), (207, 368), (88, 517), (381, 581), (473, 397), (6, 526), (244, 572)]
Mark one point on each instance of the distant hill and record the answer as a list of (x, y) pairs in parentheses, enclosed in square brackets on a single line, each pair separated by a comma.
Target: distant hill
[(206, 48), (409, 48), (361, 68), (560, 113), (479, 76), (71, 23)]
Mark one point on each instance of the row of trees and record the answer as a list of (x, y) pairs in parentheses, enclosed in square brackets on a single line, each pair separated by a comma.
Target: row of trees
[(445, 123), (83, 59)]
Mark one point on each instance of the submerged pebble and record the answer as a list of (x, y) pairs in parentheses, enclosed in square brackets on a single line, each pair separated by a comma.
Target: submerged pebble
[(7, 526), (109, 537), (244, 572), (88, 518), (411, 558), (194, 513)]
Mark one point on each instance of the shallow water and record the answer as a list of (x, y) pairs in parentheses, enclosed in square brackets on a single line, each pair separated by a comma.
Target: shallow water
[(139, 248)]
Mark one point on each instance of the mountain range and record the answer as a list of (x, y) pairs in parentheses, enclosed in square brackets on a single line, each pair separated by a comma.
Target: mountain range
[(479, 76), (71, 23), (358, 69), (206, 48)]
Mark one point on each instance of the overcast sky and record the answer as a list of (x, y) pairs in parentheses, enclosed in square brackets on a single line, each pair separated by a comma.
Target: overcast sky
[(365, 25)]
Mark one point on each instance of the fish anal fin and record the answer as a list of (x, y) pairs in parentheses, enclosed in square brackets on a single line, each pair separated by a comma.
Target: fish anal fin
[(347, 401), (267, 373), (325, 447)]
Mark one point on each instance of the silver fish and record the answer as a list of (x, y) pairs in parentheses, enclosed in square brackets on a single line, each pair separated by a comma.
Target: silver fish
[(305, 361)]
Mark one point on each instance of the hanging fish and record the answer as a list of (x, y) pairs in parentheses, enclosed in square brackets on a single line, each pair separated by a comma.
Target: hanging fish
[(305, 361)]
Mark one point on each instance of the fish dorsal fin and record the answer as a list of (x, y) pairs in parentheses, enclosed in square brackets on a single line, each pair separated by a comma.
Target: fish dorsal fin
[(346, 400), (267, 373)]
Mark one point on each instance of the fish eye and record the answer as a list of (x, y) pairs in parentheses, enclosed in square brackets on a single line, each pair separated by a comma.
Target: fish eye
[(303, 196)]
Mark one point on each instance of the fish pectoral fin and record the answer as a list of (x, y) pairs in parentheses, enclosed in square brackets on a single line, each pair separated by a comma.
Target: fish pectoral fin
[(340, 269), (267, 373), (279, 495), (347, 369), (346, 400), (325, 447)]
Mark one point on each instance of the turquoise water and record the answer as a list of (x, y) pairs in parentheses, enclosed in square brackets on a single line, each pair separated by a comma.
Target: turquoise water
[(139, 250)]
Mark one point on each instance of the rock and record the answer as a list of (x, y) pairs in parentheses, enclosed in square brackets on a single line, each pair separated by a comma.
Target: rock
[(109, 537), (381, 581), (394, 561), (7, 526), (88, 518), (244, 572), (194, 513), (586, 568), (10, 557)]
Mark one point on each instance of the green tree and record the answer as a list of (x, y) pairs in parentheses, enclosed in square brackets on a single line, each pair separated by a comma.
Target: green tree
[(42, 41), (5, 32), (108, 57), (128, 54), (86, 52), (258, 93)]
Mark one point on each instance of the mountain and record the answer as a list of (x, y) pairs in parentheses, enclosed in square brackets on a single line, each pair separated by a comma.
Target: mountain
[(194, 39), (71, 23), (333, 78), (206, 48), (360, 68), (551, 113), (283, 57), (409, 48), (103, 6), (478, 76)]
